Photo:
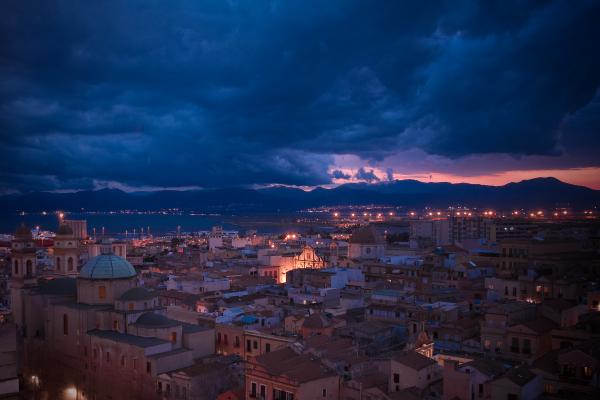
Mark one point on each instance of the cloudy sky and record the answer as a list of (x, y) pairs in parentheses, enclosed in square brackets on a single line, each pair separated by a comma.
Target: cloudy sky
[(185, 94)]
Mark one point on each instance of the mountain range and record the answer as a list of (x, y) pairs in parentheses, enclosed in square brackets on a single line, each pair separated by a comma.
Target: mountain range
[(533, 193)]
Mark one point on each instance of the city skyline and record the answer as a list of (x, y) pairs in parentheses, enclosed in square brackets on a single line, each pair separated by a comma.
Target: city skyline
[(147, 96)]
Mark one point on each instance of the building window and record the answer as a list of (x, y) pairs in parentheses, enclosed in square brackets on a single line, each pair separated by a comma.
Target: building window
[(58, 264), (255, 345), (267, 347), (396, 378), (70, 264), (324, 393), (65, 324), (253, 389), (16, 267), (514, 347), (102, 292), (225, 341), (248, 345), (237, 341), (95, 353), (263, 392), (526, 346), (28, 268), (123, 361), (148, 367), (107, 357), (174, 337), (115, 325), (130, 306)]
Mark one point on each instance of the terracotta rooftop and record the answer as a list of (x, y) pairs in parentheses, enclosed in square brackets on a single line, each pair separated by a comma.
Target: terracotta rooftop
[(414, 360), (366, 235), (297, 367), (316, 321), (520, 375)]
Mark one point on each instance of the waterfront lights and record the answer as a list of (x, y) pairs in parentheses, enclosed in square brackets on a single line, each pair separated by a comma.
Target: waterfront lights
[(336, 214)]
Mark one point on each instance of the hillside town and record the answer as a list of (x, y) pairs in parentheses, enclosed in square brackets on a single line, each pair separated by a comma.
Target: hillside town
[(452, 306)]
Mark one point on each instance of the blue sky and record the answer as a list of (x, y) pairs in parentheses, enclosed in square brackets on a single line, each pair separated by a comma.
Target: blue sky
[(185, 94)]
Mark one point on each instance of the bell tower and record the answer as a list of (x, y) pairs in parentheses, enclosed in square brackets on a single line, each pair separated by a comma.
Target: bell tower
[(23, 271), (66, 251)]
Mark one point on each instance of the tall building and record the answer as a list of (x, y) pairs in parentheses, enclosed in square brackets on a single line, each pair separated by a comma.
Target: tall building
[(366, 243), (79, 228), (23, 261), (66, 251)]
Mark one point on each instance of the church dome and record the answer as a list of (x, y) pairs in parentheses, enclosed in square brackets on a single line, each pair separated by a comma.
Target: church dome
[(107, 266)]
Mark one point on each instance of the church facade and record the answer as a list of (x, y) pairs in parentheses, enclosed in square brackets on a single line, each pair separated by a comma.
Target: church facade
[(97, 334)]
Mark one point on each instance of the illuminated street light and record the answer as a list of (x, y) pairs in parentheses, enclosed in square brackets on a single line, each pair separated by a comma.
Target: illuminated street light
[(71, 393)]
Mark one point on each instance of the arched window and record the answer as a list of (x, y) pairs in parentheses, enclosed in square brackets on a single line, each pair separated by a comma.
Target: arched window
[(29, 268), (70, 264), (58, 263), (65, 324), (16, 267)]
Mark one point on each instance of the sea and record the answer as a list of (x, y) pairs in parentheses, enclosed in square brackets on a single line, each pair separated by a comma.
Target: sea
[(130, 224)]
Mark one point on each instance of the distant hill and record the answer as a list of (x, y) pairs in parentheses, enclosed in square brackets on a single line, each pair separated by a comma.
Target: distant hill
[(539, 192)]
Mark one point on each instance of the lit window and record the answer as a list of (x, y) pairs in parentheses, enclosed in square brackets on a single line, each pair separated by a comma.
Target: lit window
[(102, 292)]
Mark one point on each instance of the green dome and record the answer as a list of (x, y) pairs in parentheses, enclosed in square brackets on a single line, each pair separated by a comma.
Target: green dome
[(107, 266)]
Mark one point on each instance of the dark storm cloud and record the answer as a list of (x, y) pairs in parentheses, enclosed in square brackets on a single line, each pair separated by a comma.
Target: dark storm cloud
[(367, 176), (337, 174), (233, 93)]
